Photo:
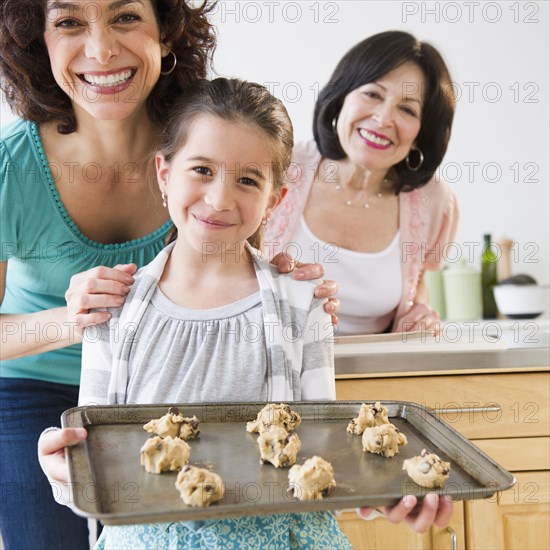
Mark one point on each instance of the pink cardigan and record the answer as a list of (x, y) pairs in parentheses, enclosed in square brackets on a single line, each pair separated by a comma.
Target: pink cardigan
[(428, 219)]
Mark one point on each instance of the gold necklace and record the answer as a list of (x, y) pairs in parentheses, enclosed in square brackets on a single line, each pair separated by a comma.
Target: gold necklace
[(365, 204)]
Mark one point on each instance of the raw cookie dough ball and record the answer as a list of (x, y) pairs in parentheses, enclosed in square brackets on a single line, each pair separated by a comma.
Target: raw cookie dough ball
[(368, 417), (274, 415), (278, 447), (198, 486), (313, 480), (173, 424), (383, 440), (163, 455), (427, 470)]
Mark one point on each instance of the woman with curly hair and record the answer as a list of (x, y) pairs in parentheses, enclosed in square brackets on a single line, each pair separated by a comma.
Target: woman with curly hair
[(93, 83)]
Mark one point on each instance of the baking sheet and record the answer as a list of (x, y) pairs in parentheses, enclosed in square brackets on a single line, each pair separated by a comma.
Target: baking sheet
[(110, 484)]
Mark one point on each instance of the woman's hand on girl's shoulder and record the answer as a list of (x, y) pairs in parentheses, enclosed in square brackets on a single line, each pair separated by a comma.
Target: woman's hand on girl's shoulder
[(99, 287), (308, 272), (51, 451), (434, 510)]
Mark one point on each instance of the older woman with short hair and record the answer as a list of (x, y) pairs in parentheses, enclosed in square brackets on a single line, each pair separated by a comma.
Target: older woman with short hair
[(363, 197)]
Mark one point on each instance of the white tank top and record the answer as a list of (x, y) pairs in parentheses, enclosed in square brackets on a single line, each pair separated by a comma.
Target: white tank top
[(370, 284)]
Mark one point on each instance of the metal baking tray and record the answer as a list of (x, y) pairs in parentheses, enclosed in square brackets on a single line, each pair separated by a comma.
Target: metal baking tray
[(110, 484)]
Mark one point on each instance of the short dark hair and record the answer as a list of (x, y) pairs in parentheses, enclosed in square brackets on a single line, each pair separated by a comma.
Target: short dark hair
[(236, 101), (33, 93), (371, 59)]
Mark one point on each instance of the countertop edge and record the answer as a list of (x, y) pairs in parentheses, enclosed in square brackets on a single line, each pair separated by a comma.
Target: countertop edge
[(374, 365)]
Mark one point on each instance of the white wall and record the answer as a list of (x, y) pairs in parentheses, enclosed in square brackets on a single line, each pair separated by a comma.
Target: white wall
[(498, 54)]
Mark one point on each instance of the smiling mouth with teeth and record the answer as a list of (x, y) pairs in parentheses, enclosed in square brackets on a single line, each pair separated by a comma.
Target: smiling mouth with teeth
[(108, 81), (373, 138)]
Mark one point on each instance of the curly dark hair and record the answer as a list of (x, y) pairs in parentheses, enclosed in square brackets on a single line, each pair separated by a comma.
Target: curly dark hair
[(29, 85), (371, 59)]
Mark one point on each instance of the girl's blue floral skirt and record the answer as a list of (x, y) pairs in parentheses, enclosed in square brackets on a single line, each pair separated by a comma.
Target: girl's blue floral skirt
[(316, 530)]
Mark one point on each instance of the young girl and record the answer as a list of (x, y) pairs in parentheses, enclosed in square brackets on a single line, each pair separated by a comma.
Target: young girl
[(209, 319)]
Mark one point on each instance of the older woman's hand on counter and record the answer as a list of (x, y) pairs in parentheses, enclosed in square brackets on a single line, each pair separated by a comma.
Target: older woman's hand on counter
[(419, 318), (434, 510)]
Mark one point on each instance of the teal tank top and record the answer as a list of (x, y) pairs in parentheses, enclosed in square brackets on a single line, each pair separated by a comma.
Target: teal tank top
[(44, 248)]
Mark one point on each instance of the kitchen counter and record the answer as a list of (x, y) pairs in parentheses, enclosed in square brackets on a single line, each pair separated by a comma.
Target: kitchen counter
[(493, 346), (445, 362)]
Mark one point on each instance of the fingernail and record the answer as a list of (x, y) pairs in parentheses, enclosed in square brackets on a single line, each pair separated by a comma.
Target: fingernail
[(434, 501), (298, 275), (408, 501)]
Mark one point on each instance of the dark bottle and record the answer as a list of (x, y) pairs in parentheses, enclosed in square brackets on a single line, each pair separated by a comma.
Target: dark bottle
[(489, 262)]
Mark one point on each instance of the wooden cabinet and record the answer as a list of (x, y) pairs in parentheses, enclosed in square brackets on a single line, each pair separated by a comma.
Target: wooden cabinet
[(477, 405), (379, 534), (507, 415), (515, 519)]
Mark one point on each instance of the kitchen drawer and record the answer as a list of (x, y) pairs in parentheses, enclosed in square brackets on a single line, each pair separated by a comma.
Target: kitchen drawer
[(480, 406), (517, 454), (530, 488)]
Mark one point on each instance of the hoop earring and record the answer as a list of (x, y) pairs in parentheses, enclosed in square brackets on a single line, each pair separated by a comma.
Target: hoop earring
[(164, 203), (335, 124), (420, 161), (171, 70)]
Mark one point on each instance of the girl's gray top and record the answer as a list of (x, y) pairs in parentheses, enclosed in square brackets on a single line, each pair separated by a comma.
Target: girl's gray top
[(229, 339), (274, 345)]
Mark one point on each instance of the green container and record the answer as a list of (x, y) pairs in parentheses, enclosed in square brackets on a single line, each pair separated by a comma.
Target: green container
[(462, 289), (436, 294)]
